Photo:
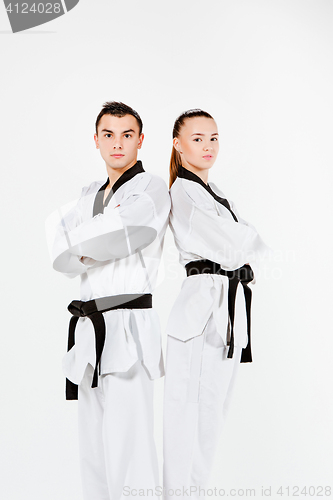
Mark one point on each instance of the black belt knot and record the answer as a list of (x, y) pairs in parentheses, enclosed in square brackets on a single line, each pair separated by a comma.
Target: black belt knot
[(241, 275), (93, 309), (76, 308)]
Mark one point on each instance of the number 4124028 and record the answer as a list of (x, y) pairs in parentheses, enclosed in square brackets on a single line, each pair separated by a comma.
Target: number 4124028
[(35, 8)]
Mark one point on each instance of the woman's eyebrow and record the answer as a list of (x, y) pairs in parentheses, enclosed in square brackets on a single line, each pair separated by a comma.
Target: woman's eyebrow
[(204, 134)]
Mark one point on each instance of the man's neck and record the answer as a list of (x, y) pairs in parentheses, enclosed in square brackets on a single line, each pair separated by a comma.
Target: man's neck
[(115, 173)]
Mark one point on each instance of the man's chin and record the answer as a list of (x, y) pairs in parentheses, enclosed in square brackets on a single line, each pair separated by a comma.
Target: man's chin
[(117, 164)]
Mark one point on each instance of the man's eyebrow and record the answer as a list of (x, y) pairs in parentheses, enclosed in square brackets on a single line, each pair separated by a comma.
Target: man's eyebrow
[(111, 132), (204, 134)]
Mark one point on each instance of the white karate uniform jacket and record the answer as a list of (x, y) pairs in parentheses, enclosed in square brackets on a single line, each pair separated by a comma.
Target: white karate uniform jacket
[(118, 260), (203, 228)]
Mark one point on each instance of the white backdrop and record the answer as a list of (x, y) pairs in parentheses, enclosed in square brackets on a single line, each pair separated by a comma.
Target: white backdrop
[(263, 68)]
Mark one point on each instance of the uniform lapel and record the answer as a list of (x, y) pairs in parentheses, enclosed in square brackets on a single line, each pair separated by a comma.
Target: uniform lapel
[(126, 176), (187, 174)]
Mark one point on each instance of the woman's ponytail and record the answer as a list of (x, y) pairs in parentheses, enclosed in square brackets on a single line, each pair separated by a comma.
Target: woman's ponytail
[(175, 162)]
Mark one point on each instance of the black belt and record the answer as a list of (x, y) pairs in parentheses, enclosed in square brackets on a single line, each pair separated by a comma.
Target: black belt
[(241, 275), (93, 310)]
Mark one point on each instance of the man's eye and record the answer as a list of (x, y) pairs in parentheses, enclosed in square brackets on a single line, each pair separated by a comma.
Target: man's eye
[(107, 135), (128, 135)]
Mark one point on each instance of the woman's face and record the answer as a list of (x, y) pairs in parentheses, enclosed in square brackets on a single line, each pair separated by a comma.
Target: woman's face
[(198, 143)]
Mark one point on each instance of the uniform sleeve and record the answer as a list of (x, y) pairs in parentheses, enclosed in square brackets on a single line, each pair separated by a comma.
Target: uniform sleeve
[(240, 219), (265, 250), (118, 232), (57, 227), (219, 238)]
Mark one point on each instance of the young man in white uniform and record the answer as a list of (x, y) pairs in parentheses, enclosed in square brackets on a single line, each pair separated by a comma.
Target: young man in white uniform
[(113, 239)]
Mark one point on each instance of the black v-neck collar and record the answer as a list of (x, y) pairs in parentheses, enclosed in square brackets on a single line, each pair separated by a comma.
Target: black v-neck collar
[(126, 176), (191, 176)]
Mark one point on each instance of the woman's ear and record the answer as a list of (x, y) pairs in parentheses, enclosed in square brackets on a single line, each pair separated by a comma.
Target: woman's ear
[(176, 144)]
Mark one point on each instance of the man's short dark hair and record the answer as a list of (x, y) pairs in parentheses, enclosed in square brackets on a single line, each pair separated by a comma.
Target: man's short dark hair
[(118, 109)]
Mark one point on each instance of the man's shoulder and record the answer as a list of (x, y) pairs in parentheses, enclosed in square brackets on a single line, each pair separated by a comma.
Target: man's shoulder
[(156, 180), (144, 181), (91, 188)]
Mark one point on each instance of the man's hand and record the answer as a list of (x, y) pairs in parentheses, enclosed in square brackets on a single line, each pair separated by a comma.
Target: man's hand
[(88, 261)]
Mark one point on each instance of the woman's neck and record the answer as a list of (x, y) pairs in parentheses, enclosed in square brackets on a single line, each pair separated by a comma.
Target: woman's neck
[(202, 173)]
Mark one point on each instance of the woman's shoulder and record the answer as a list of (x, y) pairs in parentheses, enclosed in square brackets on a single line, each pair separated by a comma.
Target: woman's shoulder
[(216, 189), (190, 191)]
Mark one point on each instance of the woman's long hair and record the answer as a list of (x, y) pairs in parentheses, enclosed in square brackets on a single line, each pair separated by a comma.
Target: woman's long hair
[(176, 160)]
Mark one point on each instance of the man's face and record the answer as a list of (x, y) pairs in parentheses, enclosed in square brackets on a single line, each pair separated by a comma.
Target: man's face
[(118, 140)]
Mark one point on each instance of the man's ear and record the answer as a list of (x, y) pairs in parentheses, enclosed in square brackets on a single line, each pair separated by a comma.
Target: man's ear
[(142, 136), (96, 141)]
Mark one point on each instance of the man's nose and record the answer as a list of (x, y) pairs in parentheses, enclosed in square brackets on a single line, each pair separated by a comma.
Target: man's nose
[(118, 144)]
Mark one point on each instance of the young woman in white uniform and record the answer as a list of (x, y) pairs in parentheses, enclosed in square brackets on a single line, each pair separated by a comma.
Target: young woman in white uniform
[(113, 239), (209, 325)]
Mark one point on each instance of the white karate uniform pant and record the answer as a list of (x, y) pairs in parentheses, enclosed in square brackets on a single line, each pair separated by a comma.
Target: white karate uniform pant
[(198, 386), (116, 442)]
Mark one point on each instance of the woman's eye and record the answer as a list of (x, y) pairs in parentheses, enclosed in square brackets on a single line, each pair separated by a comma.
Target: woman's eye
[(197, 139), (214, 139)]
